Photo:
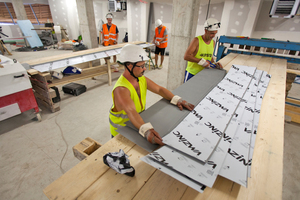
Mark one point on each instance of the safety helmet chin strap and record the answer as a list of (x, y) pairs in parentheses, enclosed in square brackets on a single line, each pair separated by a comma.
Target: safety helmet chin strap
[(131, 71)]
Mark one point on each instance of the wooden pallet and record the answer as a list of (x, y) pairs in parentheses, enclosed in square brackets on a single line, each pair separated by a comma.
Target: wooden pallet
[(42, 92)]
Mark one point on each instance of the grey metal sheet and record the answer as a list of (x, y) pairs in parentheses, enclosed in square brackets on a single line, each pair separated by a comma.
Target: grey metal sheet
[(175, 174), (164, 116)]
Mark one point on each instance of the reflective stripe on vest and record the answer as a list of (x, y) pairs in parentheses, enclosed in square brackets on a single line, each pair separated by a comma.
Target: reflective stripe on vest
[(117, 119), (159, 37), (109, 35), (204, 51)]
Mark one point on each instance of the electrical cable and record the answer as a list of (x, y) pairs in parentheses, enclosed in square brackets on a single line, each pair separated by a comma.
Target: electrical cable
[(62, 135)]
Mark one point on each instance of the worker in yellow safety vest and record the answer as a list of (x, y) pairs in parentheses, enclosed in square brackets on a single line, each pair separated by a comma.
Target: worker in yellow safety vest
[(129, 94), (110, 35), (160, 40), (199, 54)]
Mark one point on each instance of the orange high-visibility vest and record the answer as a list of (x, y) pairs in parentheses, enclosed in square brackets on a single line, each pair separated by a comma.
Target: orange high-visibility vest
[(159, 37), (109, 35)]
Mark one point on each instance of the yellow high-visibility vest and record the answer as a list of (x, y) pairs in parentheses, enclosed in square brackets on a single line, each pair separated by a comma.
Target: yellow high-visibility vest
[(205, 51), (117, 119)]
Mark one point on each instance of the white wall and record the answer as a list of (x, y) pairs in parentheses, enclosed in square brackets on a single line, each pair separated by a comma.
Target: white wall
[(238, 18), (277, 28), (64, 12), (29, 1)]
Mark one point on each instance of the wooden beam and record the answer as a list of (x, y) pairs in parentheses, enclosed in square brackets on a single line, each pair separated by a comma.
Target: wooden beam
[(293, 100), (294, 115), (293, 71)]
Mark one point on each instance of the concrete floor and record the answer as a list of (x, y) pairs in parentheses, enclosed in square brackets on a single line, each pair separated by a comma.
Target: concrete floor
[(34, 154)]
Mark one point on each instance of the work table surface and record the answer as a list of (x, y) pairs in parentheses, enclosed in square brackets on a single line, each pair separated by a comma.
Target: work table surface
[(92, 179)]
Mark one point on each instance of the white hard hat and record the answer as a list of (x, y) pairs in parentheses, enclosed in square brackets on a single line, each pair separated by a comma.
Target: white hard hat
[(132, 53), (212, 24), (109, 15), (158, 22)]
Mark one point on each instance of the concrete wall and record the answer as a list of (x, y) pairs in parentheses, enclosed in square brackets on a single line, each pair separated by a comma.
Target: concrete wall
[(238, 18)]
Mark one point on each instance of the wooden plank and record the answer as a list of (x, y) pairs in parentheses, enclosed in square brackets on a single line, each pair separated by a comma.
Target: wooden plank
[(51, 106), (293, 66), (75, 181), (52, 93), (267, 164), (77, 53), (224, 61), (295, 117), (45, 94), (120, 182), (40, 81), (292, 100), (292, 108), (161, 186), (240, 60), (293, 71), (222, 189), (32, 71)]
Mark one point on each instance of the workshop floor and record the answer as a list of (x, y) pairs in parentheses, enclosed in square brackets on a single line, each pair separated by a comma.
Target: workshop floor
[(34, 154)]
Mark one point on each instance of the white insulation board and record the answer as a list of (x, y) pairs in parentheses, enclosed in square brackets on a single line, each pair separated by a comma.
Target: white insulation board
[(236, 135), (199, 133)]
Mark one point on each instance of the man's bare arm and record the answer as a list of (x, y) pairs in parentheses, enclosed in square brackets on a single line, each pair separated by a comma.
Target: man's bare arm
[(191, 51), (124, 102)]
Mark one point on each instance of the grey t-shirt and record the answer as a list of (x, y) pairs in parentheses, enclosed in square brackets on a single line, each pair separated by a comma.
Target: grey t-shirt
[(165, 33)]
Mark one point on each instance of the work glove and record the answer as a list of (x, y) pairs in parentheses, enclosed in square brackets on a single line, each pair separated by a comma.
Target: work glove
[(177, 100), (204, 63), (157, 43), (147, 131)]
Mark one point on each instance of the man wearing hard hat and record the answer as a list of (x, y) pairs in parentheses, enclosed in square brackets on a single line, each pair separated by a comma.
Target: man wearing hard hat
[(160, 39), (110, 33), (129, 94), (199, 53)]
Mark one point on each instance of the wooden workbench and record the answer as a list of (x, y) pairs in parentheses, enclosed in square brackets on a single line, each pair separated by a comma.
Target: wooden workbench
[(40, 80), (92, 179)]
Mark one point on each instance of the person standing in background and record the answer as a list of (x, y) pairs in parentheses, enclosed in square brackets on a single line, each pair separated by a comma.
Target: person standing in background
[(160, 40), (110, 35)]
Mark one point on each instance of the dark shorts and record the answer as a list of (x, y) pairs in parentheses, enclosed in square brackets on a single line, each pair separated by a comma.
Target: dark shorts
[(187, 76), (160, 50)]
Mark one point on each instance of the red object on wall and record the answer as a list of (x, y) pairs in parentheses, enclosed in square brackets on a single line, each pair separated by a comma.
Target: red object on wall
[(25, 100)]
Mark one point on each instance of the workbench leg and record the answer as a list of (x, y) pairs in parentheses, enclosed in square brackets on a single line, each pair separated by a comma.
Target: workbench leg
[(108, 72)]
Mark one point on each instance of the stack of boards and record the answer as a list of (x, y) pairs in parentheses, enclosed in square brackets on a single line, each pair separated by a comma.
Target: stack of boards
[(218, 136)]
